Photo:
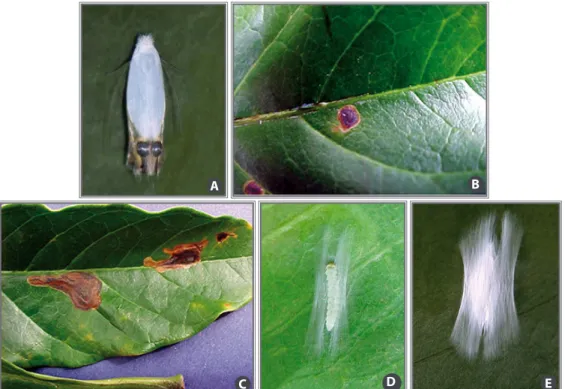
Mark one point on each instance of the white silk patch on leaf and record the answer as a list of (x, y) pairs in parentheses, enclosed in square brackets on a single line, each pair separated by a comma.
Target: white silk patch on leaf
[(328, 320), (488, 312)]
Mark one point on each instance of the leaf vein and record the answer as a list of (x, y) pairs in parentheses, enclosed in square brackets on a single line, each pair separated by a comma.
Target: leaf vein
[(338, 60), (43, 330), (252, 67), (71, 227)]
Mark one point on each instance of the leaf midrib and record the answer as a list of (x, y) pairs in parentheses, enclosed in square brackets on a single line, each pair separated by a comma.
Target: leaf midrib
[(111, 269), (298, 112)]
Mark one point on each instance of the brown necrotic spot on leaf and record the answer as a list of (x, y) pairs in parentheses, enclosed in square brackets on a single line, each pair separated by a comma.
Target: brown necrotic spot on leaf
[(180, 257), (82, 288), (222, 236), (348, 117), (251, 187)]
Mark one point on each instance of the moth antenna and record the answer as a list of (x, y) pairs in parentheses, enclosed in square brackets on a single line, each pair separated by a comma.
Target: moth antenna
[(171, 65), (121, 65), (128, 58)]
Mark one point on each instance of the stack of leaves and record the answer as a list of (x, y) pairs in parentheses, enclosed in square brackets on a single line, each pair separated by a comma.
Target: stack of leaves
[(90, 282)]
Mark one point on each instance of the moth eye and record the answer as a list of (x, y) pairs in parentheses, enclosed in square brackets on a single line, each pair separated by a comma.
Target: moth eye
[(156, 148), (143, 149)]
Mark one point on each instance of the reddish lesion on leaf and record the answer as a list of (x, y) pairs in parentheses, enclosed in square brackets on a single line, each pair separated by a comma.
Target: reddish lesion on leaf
[(251, 187), (82, 288), (223, 236), (348, 117), (180, 257)]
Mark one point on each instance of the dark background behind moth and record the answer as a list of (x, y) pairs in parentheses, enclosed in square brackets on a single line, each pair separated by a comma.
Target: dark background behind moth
[(190, 42), (328, 321)]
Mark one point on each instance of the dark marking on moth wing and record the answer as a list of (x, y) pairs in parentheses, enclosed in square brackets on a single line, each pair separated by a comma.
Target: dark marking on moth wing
[(180, 257), (222, 236), (348, 117), (251, 187), (82, 288)]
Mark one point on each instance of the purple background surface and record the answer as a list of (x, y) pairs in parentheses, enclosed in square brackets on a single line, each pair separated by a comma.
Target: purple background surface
[(212, 359)]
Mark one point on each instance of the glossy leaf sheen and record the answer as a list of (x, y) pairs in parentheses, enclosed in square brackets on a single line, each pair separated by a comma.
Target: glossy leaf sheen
[(141, 309), (373, 344), (14, 377), (301, 54), (190, 40), (415, 73)]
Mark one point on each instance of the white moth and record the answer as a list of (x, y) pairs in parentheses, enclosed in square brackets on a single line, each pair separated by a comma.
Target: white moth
[(488, 311), (145, 103), (328, 319)]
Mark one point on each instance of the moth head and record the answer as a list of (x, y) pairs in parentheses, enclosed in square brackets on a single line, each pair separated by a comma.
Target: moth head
[(150, 153)]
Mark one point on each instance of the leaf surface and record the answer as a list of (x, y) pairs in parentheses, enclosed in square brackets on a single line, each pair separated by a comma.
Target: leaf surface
[(373, 343), (430, 139)]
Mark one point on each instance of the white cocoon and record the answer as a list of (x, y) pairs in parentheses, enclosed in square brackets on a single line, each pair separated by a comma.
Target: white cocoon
[(487, 311)]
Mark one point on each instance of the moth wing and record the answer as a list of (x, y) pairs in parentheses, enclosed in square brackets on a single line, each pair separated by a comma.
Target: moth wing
[(145, 92)]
